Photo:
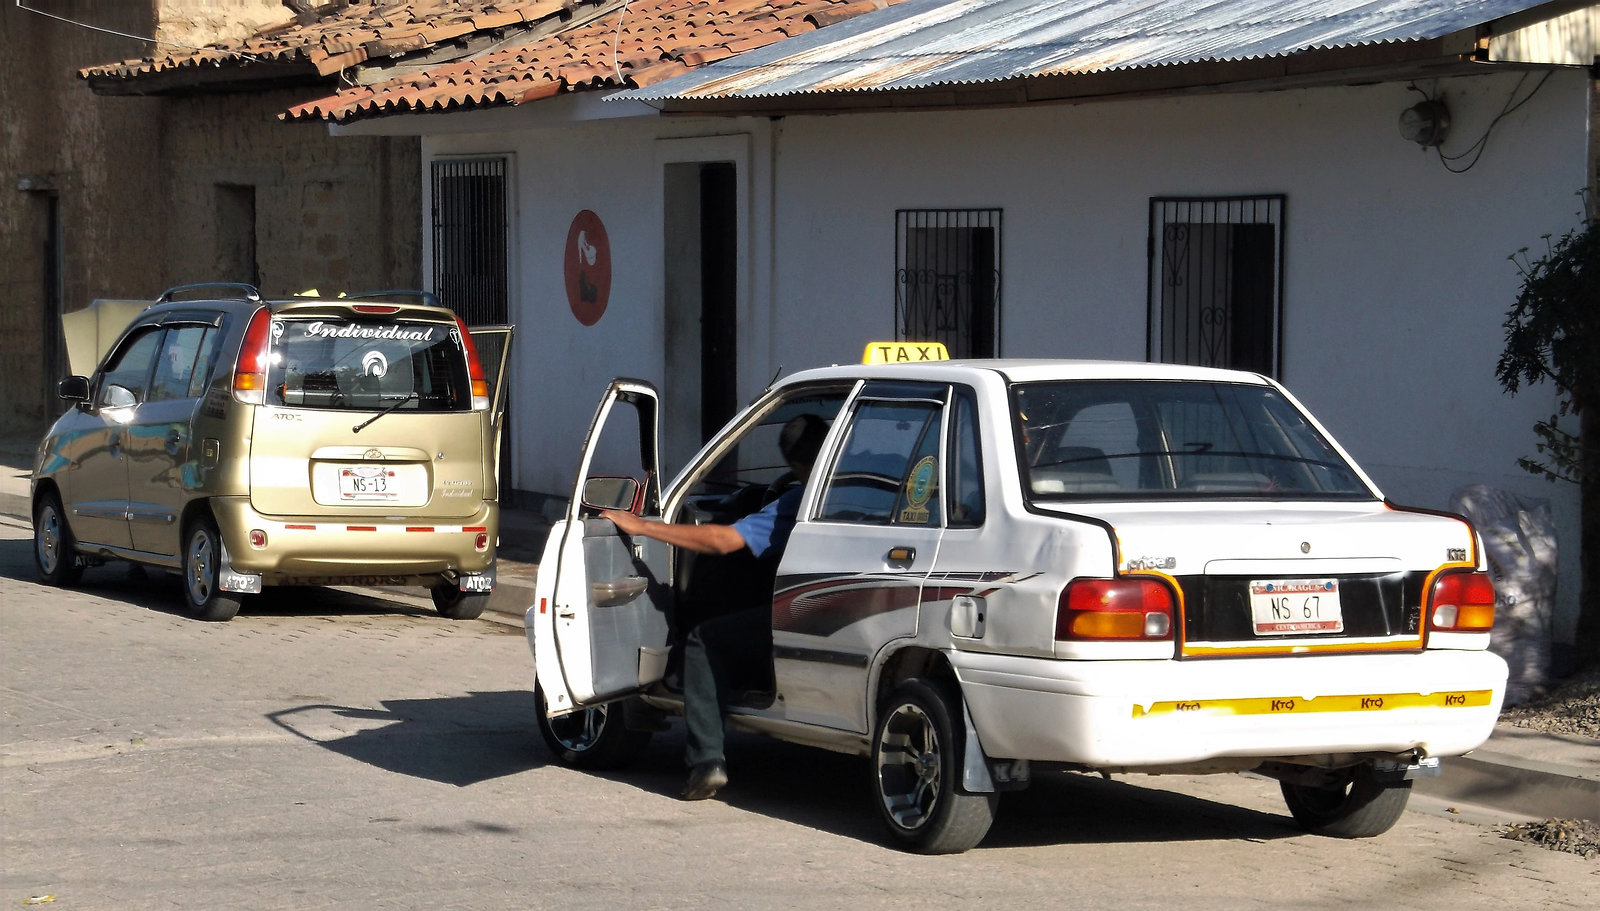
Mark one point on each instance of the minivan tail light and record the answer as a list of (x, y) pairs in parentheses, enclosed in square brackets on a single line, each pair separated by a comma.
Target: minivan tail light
[(1462, 602), (250, 370), (1125, 608), (480, 386)]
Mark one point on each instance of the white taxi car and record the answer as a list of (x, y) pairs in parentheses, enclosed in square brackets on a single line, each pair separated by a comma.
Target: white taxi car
[(1006, 568)]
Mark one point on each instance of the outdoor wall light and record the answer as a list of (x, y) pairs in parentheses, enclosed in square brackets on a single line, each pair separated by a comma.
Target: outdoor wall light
[(1425, 123), (33, 183)]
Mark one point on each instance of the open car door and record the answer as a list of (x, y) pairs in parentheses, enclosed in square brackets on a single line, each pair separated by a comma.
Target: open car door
[(493, 344), (599, 628)]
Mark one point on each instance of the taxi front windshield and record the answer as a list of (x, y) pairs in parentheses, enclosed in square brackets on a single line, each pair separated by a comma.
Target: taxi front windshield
[(407, 365), (1124, 439)]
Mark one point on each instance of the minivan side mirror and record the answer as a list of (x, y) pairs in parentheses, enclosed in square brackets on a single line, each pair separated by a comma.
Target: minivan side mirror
[(74, 388), (611, 493)]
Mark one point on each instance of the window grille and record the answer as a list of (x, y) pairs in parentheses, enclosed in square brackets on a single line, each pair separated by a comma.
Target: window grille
[(947, 279), (469, 238), (1216, 282)]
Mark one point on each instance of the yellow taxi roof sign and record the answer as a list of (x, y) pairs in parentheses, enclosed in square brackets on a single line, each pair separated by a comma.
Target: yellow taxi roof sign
[(904, 352)]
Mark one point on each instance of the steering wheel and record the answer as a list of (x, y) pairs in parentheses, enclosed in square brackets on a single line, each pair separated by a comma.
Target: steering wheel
[(779, 484)]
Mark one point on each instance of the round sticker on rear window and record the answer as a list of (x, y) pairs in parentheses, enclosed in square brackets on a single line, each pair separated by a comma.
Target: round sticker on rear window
[(920, 484), (373, 363)]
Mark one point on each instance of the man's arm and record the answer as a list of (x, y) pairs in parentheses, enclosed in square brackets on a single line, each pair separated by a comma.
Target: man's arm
[(703, 539)]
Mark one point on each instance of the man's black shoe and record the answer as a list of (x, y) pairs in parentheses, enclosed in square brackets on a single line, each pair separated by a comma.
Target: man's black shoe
[(704, 780)]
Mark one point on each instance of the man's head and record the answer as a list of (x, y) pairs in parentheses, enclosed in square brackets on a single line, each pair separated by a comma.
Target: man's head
[(800, 439)]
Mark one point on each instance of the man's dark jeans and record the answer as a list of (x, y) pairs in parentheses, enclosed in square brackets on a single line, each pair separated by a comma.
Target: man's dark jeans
[(722, 657)]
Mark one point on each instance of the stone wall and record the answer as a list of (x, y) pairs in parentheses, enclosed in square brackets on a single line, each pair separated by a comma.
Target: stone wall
[(151, 192)]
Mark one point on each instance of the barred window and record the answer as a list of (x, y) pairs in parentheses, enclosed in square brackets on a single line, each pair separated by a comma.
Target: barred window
[(1216, 282), (947, 279)]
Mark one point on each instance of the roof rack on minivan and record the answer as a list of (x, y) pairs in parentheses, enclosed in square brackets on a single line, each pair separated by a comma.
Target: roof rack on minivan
[(241, 291), (429, 299)]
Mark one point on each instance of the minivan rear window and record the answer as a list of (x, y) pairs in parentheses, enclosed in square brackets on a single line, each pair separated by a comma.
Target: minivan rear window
[(360, 365)]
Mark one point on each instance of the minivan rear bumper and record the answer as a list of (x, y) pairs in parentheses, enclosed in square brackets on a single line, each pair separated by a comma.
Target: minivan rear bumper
[(355, 549)]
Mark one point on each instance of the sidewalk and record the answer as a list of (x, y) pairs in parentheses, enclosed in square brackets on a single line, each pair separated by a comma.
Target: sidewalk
[(1517, 775)]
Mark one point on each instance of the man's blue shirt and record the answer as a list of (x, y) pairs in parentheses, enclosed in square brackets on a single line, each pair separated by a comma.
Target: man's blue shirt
[(770, 527)]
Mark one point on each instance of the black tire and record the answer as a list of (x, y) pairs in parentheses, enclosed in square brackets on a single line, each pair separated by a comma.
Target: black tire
[(917, 751), (1356, 805), (54, 550), (453, 603), (202, 566), (593, 738)]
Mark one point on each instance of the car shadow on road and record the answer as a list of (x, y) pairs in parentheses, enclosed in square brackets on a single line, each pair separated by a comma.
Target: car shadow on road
[(160, 590), (458, 740), (832, 792)]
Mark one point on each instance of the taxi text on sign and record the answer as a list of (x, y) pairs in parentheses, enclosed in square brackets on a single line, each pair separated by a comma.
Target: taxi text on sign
[(903, 352)]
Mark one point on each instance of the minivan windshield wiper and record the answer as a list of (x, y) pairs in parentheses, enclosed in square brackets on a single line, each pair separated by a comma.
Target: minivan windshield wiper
[(403, 399)]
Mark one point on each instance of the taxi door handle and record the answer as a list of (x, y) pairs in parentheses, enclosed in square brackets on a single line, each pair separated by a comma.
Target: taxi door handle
[(901, 556)]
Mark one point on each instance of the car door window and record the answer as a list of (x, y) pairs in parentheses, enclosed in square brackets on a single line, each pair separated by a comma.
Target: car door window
[(183, 362), (966, 464), (128, 372), (888, 471)]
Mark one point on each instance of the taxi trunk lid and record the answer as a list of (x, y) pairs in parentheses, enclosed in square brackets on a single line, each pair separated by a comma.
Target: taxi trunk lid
[(1271, 578)]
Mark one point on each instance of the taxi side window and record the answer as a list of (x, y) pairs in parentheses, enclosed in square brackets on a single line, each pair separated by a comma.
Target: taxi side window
[(182, 366), (966, 465), (127, 374), (888, 472)]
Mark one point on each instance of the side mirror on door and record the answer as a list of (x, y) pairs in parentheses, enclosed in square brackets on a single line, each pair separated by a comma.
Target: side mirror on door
[(74, 388)]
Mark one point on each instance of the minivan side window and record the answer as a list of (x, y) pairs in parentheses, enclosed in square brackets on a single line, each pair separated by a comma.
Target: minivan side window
[(129, 370), (183, 364), (888, 472)]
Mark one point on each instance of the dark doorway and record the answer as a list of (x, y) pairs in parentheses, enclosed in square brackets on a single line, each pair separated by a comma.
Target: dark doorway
[(719, 291)]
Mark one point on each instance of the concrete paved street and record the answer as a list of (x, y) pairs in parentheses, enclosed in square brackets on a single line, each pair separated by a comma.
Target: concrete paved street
[(329, 749)]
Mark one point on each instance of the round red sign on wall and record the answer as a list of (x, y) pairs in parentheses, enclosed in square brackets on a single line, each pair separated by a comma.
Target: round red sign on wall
[(588, 268)]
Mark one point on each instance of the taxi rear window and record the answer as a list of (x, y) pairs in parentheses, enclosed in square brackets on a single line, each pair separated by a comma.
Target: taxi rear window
[(360, 365), (1180, 440)]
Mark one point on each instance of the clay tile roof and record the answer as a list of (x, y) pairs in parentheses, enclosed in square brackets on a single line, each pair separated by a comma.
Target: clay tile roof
[(524, 50), (359, 32), (606, 45)]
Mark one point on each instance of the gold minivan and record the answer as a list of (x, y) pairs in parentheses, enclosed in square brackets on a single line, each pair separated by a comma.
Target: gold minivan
[(245, 443)]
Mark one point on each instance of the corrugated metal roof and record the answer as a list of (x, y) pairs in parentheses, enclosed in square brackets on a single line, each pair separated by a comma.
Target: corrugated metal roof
[(928, 43)]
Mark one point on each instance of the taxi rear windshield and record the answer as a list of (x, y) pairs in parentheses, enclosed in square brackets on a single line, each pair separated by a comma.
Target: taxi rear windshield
[(1115, 439), (409, 365)]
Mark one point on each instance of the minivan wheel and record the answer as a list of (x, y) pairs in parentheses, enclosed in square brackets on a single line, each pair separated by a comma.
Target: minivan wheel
[(916, 764), (53, 550), (1355, 805), (593, 738), (202, 568), (455, 604)]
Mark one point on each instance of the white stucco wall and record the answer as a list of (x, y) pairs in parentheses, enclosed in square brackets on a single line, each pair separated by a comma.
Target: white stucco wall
[(1396, 277)]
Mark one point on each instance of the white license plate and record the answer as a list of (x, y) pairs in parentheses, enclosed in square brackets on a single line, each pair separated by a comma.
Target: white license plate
[(1288, 607), (368, 482)]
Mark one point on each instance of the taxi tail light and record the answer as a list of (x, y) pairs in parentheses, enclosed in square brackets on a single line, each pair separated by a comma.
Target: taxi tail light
[(1116, 609), (1462, 603), (250, 370), (481, 542), (480, 386)]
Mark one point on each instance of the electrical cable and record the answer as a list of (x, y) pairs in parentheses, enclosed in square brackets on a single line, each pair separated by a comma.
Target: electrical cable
[(1483, 141)]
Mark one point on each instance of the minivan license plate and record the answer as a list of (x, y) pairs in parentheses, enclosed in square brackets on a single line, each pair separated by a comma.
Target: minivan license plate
[(1285, 607), (368, 482)]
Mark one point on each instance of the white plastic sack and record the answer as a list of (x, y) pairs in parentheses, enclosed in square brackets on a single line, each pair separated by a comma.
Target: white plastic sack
[(1519, 540)]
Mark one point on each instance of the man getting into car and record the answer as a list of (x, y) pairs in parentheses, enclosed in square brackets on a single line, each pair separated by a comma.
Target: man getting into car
[(723, 648)]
